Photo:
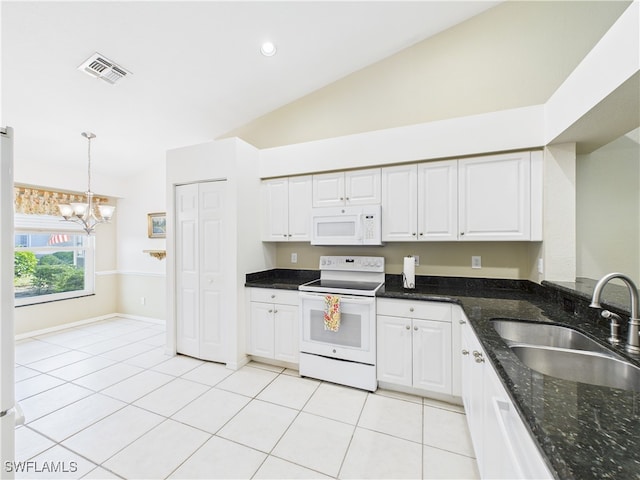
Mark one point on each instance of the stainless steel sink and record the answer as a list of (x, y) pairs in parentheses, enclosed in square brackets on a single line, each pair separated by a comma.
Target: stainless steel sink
[(548, 335), (563, 352), (580, 366)]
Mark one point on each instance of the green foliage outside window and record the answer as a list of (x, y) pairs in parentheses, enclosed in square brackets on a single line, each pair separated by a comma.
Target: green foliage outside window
[(53, 273), (24, 264)]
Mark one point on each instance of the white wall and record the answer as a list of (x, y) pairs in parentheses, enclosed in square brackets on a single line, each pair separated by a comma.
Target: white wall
[(141, 278), (608, 214)]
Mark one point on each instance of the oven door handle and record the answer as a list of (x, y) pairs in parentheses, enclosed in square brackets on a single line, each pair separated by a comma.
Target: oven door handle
[(345, 298)]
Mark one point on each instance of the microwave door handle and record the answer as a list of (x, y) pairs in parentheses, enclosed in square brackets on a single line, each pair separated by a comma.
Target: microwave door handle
[(359, 230)]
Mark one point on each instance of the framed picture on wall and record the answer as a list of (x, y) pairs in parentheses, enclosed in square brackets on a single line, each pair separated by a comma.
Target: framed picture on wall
[(157, 225)]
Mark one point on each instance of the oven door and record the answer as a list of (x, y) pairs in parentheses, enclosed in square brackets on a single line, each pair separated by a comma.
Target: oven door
[(355, 340)]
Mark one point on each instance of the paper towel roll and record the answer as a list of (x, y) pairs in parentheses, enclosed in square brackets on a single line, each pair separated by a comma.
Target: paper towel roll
[(409, 273)]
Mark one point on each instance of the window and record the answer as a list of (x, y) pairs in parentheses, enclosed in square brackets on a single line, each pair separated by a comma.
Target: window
[(51, 263)]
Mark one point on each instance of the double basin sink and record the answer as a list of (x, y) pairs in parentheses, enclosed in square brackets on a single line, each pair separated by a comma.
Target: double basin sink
[(565, 353)]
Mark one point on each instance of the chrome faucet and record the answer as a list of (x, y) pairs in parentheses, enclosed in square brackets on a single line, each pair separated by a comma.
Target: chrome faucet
[(633, 336)]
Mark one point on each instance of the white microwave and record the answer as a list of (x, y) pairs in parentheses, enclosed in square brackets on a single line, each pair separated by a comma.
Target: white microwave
[(356, 225)]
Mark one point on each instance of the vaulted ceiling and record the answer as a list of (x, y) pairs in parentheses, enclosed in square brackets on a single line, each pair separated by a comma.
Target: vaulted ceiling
[(196, 69)]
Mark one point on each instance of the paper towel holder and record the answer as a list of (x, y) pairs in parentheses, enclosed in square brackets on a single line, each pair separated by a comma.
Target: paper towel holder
[(408, 273)]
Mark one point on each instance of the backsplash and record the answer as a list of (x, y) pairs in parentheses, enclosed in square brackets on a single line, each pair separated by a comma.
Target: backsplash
[(509, 260)]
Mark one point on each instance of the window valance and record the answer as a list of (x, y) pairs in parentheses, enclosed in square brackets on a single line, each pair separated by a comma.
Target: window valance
[(40, 201)]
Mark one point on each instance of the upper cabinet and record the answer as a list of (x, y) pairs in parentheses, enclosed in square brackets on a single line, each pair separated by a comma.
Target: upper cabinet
[(488, 198), (496, 197), (286, 204), (420, 202), (499, 197), (357, 187)]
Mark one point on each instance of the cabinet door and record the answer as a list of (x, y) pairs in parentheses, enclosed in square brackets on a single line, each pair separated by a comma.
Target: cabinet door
[(275, 205), (432, 355), (495, 201), (286, 342), (472, 390), (394, 363), (509, 451), (362, 187), (261, 332), (438, 201), (399, 203), (328, 190), (299, 208)]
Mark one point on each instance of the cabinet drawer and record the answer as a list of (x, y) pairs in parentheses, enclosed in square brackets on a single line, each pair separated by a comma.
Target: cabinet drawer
[(272, 295), (440, 311)]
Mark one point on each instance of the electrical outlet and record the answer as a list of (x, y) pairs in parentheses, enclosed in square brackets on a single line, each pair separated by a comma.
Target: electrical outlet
[(540, 266), (294, 258), (142, 300), (417, 260), (476, 262)]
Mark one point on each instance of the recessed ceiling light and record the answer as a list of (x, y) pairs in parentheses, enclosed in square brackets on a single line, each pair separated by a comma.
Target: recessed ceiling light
[(268, 49)]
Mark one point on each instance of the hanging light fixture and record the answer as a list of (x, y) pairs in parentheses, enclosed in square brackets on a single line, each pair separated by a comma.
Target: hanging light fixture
[(85, 213)]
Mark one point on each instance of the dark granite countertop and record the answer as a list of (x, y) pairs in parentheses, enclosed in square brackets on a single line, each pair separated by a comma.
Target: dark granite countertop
[(583, 431)]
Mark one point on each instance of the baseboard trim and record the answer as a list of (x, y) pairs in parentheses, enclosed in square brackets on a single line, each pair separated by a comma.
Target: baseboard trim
[(87, 321), (158, 321)]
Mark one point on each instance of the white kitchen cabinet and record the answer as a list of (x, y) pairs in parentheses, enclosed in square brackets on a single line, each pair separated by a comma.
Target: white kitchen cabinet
[(286, 204), (495, 193), (473, 358), (420, 202), (438, 201), (414, 344), (503, 445), (400, 203), (200, 275), (273, 324), (355, 187), (494, 197)]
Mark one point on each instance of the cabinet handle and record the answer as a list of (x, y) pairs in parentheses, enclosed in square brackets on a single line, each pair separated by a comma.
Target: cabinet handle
[(407, 327), (479, 360), (415, 328), (421, 233), (461, 234), (413, 234), (341, 198), (275, 311), (273, 295), (289, 234), (477, 353), (347, 199), (270, 310), (284, 234), (465, 352), (462, 322), (411, 309)]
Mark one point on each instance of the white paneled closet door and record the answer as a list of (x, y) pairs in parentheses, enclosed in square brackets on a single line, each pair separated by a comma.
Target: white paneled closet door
[(211, 224), (199, 273)]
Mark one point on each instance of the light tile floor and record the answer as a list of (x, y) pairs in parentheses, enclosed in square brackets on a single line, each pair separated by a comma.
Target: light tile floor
[(104, 401)]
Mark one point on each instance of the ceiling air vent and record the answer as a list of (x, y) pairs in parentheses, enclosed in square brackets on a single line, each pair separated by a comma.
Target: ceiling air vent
[(101, 67)]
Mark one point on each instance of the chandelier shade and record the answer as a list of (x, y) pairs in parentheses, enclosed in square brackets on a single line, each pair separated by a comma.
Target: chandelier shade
[(88, 215)]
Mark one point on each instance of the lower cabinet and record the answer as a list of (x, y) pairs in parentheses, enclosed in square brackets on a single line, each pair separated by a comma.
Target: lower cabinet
[(273, 324), (414, 344), (502, 443)]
